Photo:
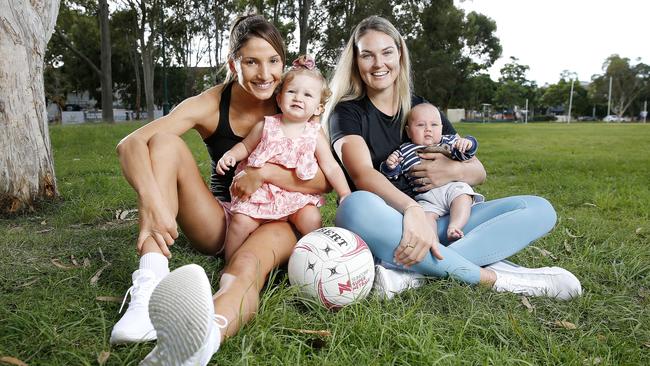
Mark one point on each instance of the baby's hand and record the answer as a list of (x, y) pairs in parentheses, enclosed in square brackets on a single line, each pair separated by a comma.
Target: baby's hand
[(393, 159), (224, 164), (463, 144)]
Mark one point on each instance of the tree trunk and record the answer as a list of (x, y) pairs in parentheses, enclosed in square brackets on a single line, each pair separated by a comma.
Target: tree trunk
[(133, 55), (107, 76), (147, 73), (303, 24), (146, 34), (26, 164)]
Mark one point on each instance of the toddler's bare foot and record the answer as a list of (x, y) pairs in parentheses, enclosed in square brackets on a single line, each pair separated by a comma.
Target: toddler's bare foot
[(454, 233)]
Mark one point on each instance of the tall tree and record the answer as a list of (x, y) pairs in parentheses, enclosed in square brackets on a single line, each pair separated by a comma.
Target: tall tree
[(558, 95), (448, 47), (147, 28), (628, 82), (107, 73), (81, 27), (26, 164), (303, 24), (514, 88)]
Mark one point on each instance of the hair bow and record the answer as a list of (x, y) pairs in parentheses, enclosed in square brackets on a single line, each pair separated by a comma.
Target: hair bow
[(304, 61)]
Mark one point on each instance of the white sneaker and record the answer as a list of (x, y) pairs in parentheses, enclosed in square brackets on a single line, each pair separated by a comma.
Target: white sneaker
[(553, 282), (134, 326), (389, 282), (182, 312)]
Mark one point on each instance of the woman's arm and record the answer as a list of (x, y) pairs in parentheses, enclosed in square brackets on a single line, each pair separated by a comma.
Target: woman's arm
[(418, 237), (156, 219), (436, 170), (331, 168)]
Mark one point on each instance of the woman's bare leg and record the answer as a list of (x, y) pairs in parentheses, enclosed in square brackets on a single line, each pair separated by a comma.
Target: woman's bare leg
[(186, 195), (245, 274)]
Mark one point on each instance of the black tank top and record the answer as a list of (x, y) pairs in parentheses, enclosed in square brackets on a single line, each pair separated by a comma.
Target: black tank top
[(222, 140)]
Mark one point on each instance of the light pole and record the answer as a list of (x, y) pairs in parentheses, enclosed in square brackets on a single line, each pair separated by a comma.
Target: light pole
[(568, 120), (526, 112), (609, 95)]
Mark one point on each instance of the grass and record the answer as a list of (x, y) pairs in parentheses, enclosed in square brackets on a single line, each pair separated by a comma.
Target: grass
[(53, 312)]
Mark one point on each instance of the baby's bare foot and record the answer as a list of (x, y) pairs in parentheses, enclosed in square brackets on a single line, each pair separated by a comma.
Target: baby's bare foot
[(454, 233)]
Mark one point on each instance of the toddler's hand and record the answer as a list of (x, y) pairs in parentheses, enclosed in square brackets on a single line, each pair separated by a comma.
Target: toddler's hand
[(393, 159), (224, 164), (463, 144)]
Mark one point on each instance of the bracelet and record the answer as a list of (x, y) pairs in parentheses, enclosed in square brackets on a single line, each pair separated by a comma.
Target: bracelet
[(410, 206)]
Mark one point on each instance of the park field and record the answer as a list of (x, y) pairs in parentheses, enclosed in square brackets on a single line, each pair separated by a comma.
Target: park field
[(65, 267)]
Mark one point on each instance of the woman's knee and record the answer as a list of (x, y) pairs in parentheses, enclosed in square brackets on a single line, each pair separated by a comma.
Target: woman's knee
[(358, 208), (165, 146)]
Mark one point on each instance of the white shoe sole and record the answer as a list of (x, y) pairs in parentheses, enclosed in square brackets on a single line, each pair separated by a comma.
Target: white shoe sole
[(181, 311), (126, 337)]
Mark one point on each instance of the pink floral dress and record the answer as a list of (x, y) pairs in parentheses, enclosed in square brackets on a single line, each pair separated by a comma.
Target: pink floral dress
[(269, 201)]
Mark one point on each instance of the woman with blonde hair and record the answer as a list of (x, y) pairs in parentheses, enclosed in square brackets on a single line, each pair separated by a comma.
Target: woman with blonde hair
[(371, 98), (178, 308)]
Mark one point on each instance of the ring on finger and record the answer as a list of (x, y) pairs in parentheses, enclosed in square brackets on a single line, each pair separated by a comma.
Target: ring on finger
[(410, 245)]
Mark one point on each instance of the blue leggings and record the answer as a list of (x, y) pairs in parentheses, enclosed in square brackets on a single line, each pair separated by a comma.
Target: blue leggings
[(496, 230)]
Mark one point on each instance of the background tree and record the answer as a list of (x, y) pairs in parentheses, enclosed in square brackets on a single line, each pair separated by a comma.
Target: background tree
[(628, 82), (450, 48), (73, 53), (514, 88), (26, 165), (479, 89), (557, 95), (147, 27), (83, 26), (106, 70)]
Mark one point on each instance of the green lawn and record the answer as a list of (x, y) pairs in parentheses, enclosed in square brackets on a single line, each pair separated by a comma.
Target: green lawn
[(55, 312)]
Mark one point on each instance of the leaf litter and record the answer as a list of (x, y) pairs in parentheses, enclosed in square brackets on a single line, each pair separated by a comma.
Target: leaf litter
[(12, 361), (544, 252), (103, 357), (565, 324), (530, 307)]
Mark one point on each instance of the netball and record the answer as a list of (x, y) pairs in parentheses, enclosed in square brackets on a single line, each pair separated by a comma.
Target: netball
[(332, 265)]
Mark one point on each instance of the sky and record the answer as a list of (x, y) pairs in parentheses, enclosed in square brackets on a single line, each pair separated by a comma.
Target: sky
[(576, 35)]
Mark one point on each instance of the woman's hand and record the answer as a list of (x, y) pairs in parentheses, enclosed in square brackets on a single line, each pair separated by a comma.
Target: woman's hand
[(246, 182), (434, 170), (157, 222), (418, 238)]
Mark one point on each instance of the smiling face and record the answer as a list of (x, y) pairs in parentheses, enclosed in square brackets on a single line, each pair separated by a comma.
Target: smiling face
[(300, 97), (258, 67), (424, 125), (378, 61)]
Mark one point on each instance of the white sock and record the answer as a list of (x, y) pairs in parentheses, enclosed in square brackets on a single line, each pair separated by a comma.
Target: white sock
[(155, 262)]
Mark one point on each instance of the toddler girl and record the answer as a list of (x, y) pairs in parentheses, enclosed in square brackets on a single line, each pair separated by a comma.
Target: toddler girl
[(291, 139)]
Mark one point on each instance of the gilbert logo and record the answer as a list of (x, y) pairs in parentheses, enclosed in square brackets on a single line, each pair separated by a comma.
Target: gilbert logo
[(334, 236)]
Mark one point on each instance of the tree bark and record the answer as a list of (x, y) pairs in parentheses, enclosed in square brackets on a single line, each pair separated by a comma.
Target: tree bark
[(303, 24), (147, 31), (107, 75), (26, 164)]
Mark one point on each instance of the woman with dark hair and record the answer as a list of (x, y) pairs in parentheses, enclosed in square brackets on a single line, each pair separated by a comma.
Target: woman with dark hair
[(178, 308), (371, 99)]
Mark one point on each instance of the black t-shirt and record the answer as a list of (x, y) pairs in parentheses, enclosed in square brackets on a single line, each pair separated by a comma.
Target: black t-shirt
[(381, 132)]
